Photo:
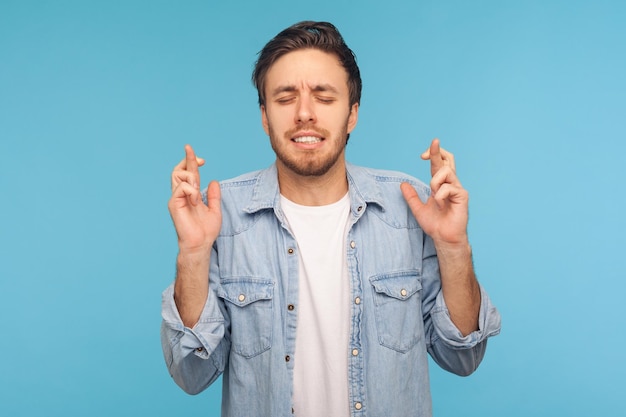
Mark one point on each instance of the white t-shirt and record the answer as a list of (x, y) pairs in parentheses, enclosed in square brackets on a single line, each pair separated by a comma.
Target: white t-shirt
[(321, 355)]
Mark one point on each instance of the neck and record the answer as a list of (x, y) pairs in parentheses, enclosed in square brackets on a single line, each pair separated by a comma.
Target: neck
[(313, 190)]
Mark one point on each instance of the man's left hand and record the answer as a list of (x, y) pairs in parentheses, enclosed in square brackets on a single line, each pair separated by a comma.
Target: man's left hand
[(444, 215)]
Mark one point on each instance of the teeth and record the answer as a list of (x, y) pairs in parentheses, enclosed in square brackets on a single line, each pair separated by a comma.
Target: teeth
[(307, 139)]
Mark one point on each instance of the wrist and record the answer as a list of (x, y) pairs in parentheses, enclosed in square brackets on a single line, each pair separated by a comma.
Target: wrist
[(189, 258), (194, 251), (461, 248)]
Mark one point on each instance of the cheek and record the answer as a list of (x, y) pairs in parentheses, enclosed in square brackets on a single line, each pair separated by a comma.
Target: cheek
[(338, 120), (277, 119)]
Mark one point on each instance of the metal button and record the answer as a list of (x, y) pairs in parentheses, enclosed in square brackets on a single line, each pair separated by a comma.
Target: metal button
[(200, 349), (287, 358), (290, 307), (359, 208), (290, 251), (358, 406), (241, 297), (403, 292), (355, 352), (357, 300), (353, 244)]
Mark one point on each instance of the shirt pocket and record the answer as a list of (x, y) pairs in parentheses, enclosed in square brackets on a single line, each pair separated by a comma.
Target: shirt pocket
[(250, 305), (397, 304)]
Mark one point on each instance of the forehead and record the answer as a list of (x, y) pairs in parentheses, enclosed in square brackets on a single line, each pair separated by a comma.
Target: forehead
[(307, 67)]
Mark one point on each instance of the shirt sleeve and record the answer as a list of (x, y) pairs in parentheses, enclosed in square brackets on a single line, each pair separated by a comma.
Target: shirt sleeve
[(446, 344), (450, 349), (195, 357), (488, 323)]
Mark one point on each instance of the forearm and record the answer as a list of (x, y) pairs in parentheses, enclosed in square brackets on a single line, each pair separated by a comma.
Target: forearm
[(192, 285), (459, 285)]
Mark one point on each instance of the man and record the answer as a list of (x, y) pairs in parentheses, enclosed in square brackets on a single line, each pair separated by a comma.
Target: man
[(317, 287)]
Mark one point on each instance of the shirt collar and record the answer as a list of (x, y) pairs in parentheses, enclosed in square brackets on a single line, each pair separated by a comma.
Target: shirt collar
[(363, 189), (265, 194)]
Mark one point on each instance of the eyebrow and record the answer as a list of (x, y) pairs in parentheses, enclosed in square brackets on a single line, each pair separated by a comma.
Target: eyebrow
[(319, 88)]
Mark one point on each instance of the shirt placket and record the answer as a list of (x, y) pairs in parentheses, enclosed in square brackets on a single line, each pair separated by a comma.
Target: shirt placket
[(289, 257), (356, 361)]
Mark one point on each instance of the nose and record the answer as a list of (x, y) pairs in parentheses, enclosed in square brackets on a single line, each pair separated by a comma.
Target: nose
[(305, 112)]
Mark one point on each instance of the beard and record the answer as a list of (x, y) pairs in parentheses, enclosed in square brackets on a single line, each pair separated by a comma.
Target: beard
[(311, 163)]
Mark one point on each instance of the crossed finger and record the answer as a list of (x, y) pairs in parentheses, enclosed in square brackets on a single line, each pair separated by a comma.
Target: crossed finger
[(438, 157), (187, 169), (442, 177)]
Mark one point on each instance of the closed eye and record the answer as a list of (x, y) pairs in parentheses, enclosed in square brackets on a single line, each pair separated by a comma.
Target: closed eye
[(325, 100), (285, 100)]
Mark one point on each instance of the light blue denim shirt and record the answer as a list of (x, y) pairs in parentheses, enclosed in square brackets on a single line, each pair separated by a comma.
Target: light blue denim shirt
[(397, 312)]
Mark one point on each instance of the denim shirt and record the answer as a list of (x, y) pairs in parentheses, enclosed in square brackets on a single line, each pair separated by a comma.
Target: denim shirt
[(248, 326)]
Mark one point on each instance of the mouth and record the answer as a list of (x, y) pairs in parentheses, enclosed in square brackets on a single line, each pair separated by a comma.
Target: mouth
[(307, 139)]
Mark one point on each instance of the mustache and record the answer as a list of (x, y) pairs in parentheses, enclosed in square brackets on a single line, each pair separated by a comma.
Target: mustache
[(308, 128)]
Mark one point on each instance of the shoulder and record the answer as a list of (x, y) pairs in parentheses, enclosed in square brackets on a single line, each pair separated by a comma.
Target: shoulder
[(246, 185), (380, 190), (247, 197), (240, 185), (384, 181)]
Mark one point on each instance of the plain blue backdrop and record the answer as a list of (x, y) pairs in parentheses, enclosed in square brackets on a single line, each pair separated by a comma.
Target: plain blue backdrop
[(97, 100)]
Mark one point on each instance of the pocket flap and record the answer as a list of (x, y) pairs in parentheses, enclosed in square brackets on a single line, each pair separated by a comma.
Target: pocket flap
[(399, 285), (244, 291)]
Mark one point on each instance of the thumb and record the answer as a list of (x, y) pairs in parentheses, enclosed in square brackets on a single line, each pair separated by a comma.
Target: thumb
[(214, 196), (411, 197)]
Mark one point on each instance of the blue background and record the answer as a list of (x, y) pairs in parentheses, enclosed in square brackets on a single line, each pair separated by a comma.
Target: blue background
[(97, 100)]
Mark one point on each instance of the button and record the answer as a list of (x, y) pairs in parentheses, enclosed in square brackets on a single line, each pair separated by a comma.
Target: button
[(290, 251), (353, 244), (241, 297), (359, 208), (403, 292), (200, 349), (358, 406), (290, 307), (287, 358), (357, 300), (355, 352)]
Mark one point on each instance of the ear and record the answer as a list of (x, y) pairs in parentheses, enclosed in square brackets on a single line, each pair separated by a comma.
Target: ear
[(353, 117), (264, 121)]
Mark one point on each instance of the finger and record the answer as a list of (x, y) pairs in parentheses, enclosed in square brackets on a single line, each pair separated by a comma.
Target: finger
[(448, 158), (182, 165), (432, 151), (411, 197), (186, 193), (190, 159), (449, 194), (438, 156), (214, 196), (179, 176), (427, 153), (444, 176), (192, 164)]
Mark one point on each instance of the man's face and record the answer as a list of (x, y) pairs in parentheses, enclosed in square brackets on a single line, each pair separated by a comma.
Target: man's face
[(307, 112)]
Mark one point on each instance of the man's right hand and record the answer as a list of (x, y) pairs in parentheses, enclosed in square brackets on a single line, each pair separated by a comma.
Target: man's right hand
[(197, 225)]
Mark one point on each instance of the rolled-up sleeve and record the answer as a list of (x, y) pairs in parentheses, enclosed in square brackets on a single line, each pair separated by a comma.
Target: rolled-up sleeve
[(195, 357), (453, 351), (488, 323)]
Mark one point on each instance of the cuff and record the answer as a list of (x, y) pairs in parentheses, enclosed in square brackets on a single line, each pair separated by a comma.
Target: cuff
[(200, 340), (488, 323)]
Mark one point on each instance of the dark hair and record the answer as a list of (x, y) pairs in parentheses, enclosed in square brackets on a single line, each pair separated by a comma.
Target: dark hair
[(317, 35)]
